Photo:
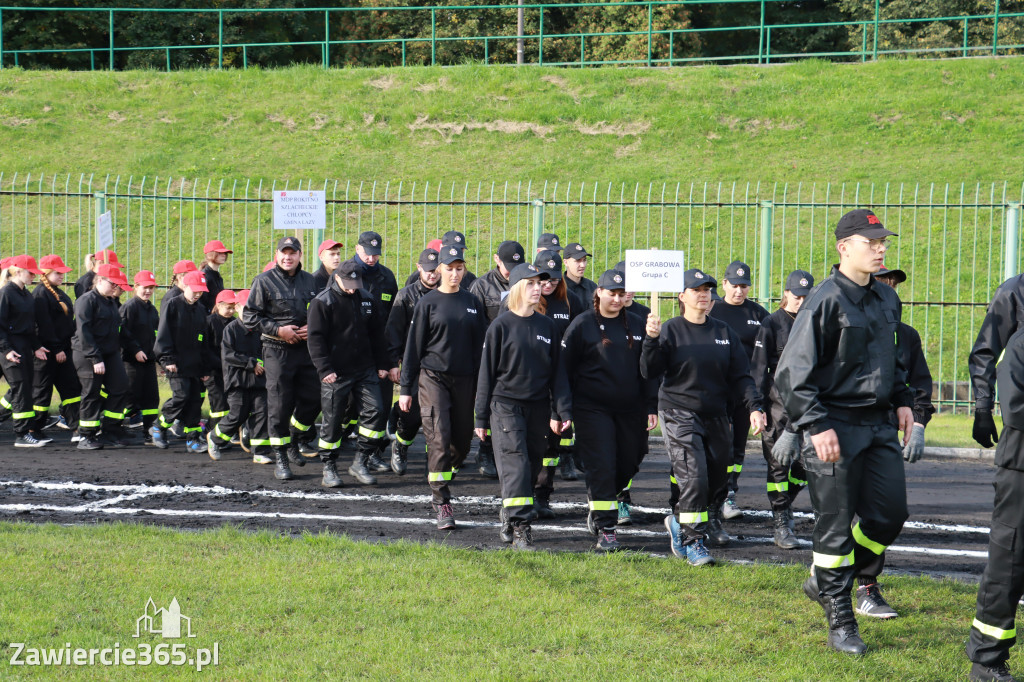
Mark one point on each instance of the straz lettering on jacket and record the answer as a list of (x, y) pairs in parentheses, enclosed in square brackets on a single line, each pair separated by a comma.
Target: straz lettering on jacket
[(722, 342), (541, 338), (560, 316), (471, 311)]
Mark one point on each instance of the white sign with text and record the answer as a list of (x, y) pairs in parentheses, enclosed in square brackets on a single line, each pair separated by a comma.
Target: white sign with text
[(104, 232), (300, 210), (654, 271)]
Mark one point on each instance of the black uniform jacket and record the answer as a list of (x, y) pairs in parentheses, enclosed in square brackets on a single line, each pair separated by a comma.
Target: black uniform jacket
[(346, 333), (582, 292), (1004, 318), (240, 351), (490, 290), (17, 319), (380, 282), (139, 321), (918, 377), (277, 299), (97, 326), (467, 279), (397, 331), (1010, 376), (842, 355), (54, 327), (768, 346), (183, 339)]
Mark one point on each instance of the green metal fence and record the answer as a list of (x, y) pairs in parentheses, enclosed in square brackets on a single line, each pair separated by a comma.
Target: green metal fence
[(957, 242), (665, 43)]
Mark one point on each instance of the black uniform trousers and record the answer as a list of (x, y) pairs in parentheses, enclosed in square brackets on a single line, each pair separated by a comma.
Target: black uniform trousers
[(446, 405), (143, 390), (993, 631), (519, 432), (354, 411), (19, 378), (292, 404), (558, 446), (334, 401), (784, 483), (50, 374), (740, 419), (216, 397), (185, 405), (867, 481), (699, 451), (407, 424), (645, 447), (609, 444), (103, 395), (245, 405)]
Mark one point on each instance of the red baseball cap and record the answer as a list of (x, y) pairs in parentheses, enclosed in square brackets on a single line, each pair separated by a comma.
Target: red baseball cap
[(216, 245), (226, 296), (110, 256), (242, 297), (327, 244), (53, 262), (196, 281), (25, 262), (434, 244), (145, 278), (184, 266), (111, 272)]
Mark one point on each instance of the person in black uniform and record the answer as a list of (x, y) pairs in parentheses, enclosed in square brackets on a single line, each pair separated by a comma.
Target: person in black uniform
[(277, 307), (93, 261), (96, 352), (140, 322), (517, 390), (222, 315), (20, 346), (347, 346), (330, 258), (556, 304), (581, 288), (181, 268), (632, 305), (549, 242), (744, 317), (611, 402), (183, 347), (55, 325), (450, 238), (407, 424), (490, 290), (246, 388), (993, 630), (840, 378), (215, 255), (442, 358), (703, 364)]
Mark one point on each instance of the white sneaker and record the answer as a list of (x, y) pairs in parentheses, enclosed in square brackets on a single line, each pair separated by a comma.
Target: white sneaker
[(261, 459), (729, 508)]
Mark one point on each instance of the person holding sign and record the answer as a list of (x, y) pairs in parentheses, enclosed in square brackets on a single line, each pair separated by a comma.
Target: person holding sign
[(612, 403), (704, 367)]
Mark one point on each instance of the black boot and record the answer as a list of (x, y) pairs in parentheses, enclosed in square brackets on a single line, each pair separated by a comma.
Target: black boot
[(375, 464), (485, 458), (359, 471), (331, 478), (843, 634), (783, 534), (542, 508), (568, 467), (282, 471), (295, 455), (998, 672), (399, 457), (715, 534)]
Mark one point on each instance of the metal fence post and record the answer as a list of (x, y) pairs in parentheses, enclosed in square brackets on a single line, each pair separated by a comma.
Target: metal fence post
[(1, 40), (111, 40), (1012, 240), (874, 50), (995, 30), (764, 279), (538, 225), (101, 208), (220, 39)]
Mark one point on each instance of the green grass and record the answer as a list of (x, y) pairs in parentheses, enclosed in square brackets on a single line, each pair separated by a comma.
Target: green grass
[(812, 121), (323, 606)]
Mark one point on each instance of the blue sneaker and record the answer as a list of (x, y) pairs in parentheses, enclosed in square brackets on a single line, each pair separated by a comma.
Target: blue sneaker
[(674, 533), (625, 519), (195, 445), (697, 554), (157, 436)]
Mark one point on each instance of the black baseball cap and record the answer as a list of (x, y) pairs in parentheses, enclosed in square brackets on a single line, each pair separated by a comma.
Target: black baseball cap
[(450, 254), (737, 272), (371, 243), (511, 254), (525, 271), (549, 262), (864, 222), (453, 238), (428, 259), (694, 278), (612, 279), (799, 282), (351, 274), (896, 274), (289, 242), (575, 251), (549, 242)]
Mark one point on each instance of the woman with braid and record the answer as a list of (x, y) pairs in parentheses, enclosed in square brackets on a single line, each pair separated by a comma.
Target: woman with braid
[(55, 324), (611, 403)]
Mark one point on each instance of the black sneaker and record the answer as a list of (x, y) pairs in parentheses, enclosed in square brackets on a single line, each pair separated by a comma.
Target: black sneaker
[(89, 443), (871, 603), (999, 672), (41, 436), (445, 516), (29, 441), (505, 531), (134, 421), (307, 449), (111, 442), (522, 538), (607, 541)]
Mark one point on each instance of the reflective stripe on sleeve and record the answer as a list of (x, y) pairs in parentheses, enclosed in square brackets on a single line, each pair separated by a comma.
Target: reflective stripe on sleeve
[(567, 442)]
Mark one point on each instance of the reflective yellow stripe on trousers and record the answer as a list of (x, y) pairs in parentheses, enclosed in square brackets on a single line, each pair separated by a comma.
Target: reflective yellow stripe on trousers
[(994, 632), (832, 560)]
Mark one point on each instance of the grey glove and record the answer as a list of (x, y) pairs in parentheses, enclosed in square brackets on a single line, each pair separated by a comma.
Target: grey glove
[(787, 448), (913, 450)]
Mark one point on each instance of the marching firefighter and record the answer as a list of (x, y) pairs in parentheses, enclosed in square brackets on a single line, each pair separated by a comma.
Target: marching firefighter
[(841, 378), (140, 321), (581, 288), (223, 314), (55, 322)]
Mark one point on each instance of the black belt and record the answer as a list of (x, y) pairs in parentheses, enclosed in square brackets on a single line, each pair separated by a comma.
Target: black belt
[(861, 415)]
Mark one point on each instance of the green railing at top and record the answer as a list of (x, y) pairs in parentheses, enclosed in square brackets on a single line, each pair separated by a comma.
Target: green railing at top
[(957, 242), (660, 41)]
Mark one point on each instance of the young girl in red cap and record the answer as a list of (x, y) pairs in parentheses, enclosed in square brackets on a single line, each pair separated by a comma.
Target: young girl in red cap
[(139, 320), (223, 313), (216, 255), (55, 323)]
